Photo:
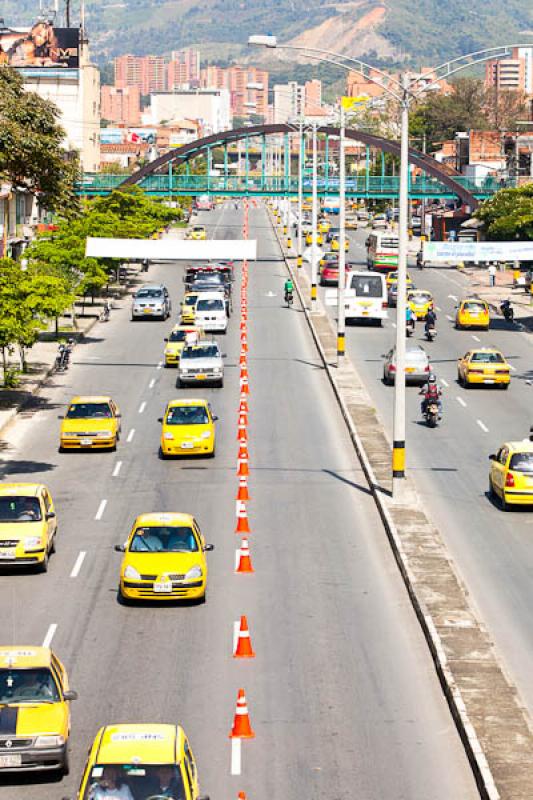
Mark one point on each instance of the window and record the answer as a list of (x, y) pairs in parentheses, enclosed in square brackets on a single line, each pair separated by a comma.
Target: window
[(187, 415), (20, 509), (522, 462), (89, 411), (163, 539), (487, 358), (367, 285), (35, 685)]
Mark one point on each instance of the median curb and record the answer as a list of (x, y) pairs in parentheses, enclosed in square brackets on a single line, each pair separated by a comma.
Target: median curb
[(494, 728)]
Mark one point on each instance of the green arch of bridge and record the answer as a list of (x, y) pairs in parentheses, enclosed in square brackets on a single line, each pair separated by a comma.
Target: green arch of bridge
[(445, 174)]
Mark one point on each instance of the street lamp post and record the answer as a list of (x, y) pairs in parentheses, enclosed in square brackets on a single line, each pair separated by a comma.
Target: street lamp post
[(341, 309), (314, 225), (301, 161)]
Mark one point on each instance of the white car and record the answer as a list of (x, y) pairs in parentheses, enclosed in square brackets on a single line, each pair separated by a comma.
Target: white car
[(210, 312), (201, 363)]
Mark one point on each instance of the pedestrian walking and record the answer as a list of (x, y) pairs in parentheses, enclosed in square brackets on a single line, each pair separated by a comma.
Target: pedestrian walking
[(492, 274)]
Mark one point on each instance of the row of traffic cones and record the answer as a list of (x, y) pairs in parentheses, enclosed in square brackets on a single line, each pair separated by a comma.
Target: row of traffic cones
[(242, 728)]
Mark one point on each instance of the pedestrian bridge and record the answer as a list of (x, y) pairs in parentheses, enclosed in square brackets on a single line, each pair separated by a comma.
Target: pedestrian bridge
[(170, 174)]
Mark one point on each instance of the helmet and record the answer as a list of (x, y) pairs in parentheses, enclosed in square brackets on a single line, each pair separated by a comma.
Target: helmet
[(432, 379)]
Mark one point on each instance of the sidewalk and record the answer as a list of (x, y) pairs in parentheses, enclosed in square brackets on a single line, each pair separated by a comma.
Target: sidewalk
[(504, 289)]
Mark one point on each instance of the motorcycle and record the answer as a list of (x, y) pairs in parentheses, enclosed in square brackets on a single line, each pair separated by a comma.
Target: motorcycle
[(432, 414), (106, 311), (419, 260), (62, 358), (431, 333), (289, 299), (410, 328), (507, 310)]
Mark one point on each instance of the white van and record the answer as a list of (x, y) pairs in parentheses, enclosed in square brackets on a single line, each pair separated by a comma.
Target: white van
[(365, 297), (210, 312)]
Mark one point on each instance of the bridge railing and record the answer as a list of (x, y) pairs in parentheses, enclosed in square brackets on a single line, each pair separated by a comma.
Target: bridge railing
[(361, 184)]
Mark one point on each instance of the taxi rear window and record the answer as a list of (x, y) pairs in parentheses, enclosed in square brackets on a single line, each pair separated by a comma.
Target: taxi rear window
[(474, 307), (487, 358), (521, 462)]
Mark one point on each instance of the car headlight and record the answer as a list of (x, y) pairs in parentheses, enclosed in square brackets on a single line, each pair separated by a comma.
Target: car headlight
[(205, 435), (131, 572), (168, 435), (50, 741), (105, 434), (217, 370), (194, 572), (184, 370), (33, 543)]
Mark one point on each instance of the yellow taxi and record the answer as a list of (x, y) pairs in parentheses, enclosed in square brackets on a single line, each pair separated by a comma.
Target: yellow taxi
[(307, 204), (309, 238), (327, 257), (392, 277), (419, 301), (28, 525), (164, 559), (324, 225), (335, 244), (484, 365), (188, 308), (147, 760), (175, 342), (197, 233), (472, 313), (90, 422), (511, 474), (188, 429), (34, 710)]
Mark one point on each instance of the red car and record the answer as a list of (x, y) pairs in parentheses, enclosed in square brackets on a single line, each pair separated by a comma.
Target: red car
[(329, 273)]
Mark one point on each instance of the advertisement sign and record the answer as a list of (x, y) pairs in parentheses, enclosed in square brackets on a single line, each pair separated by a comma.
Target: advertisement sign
[(41, 46), (112, 135), (454, 252), (353, 103)]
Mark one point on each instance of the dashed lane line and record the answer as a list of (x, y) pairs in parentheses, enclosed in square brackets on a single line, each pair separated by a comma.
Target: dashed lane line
[(476, 338), (131, 434), (236, 756), (101, 508), (118, 466), (444, 382), (142, 407), (151, 384), (50, 633), (78, 564), (461, 401), (482, 425)]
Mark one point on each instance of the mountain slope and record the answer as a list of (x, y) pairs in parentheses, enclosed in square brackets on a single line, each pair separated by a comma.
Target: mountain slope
[(422, 30)]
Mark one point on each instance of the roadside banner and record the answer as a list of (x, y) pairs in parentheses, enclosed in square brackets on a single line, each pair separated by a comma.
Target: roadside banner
[(171, 249), (454, 252)]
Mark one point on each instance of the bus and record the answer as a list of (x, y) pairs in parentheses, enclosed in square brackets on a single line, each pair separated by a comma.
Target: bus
[(203, 203), (365, 297), (331, 204), (382, 251)]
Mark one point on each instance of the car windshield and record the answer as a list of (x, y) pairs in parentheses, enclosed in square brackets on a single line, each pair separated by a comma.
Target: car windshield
[(419, 298), (164, 539), (207, 351), (488, 358), (89, 411), (367, 286), (187, 415), (198, 229), (20, 509), (142, 293), (474, 307), (210, 305), (521, 462), (135, 780), (190, 299), (177, 336), (27, 686)]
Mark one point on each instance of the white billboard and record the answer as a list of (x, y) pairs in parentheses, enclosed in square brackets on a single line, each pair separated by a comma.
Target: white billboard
[(454, 252), (171, 249)]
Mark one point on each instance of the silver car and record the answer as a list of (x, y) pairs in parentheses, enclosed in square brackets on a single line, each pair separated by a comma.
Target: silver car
[(201, 363), (417, 366), (151, 301)]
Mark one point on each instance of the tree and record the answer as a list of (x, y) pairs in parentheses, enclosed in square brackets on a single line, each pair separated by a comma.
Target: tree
[(31, 152), (440, 116), (508, 214)]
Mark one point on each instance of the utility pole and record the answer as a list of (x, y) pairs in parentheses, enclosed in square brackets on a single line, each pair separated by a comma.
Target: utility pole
[(314, 226)]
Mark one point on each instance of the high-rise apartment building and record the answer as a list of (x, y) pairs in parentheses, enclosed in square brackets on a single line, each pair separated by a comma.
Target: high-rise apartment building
[(248, 88), (183, 69), (146, 72), (128, 71), (511, 74), (121, 104), (313, 96)]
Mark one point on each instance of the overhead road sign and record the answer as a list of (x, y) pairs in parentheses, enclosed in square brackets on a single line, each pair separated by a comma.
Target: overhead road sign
[(172, 249)]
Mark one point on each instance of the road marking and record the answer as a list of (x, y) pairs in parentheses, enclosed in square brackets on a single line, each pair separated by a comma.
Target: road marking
[(439, 309), (118, 465), (482, 426), (101, 508), (142, 407), (50, 635), (151, 384), (444, 383), (131, 434), (448, 317), (476, 338), (236, 756), (236, 630), (77, 564), (393, 324), (452, 297), (511, 367), (461, 401), (160, 365)]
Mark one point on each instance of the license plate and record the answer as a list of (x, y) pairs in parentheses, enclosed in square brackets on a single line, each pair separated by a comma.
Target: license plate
[(7, 555), (187, 445), (365, 313), (489, 380), (163, 587), (13, 760), (86, 442), (474, 313), (200, 377), (147, 310), (409, 369)]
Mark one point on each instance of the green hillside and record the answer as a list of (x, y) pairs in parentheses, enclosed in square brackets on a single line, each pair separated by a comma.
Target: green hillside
[(425, 31)]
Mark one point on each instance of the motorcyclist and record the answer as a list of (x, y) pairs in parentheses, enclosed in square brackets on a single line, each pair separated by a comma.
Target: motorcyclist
[(409, 317), (431, 320), (432, 394), (507, 309), (288, 288)]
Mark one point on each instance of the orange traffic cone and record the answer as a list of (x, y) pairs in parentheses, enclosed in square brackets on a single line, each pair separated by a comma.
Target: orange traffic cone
[(242, 359), (244, 559), (242, 434), (244, 372), (242, 491), (244, 347), (241, 722), (243, 406), (244, 386), (243, 453), (243, 419), (244, 643), (242, 518), (241, 796)]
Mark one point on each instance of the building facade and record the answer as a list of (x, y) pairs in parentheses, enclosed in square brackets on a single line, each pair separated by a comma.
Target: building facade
[(211, 107), (121, 104), (247, 86)]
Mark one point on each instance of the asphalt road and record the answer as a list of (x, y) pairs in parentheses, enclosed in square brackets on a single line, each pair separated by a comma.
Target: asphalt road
[(492, 550), (342, 694)]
